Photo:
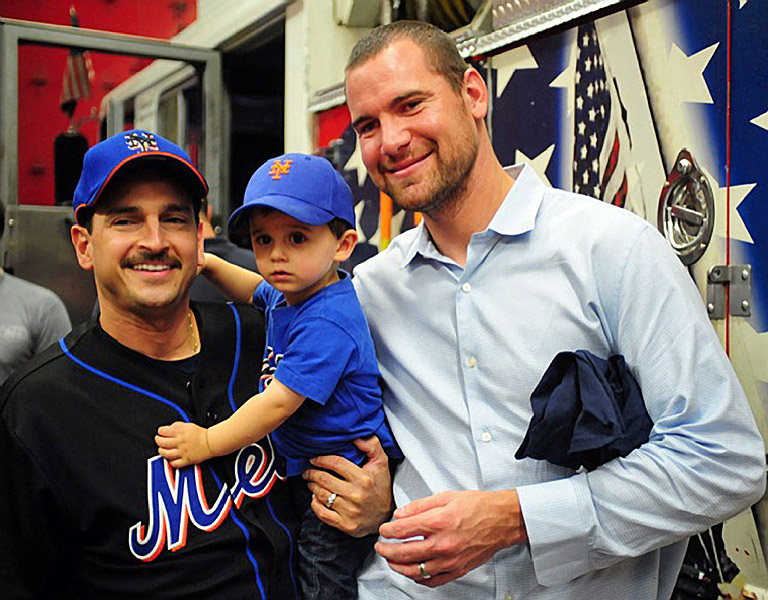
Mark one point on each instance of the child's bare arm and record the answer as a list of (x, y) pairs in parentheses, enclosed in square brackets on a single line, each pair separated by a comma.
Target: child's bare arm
[(260, 415), (235, 282), (184, 444)]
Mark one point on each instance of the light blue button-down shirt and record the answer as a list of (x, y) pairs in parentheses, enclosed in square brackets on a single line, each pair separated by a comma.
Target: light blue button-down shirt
[(461, 350)]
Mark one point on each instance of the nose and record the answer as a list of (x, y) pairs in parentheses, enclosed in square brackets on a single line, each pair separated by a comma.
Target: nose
[(394, 136), (277, 252), (153, 237)]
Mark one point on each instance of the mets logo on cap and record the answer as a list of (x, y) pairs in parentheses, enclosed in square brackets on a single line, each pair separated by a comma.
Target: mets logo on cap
[(142, 141), (280, 168)]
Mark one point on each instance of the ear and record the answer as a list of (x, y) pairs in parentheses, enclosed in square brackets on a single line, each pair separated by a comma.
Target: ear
[(475, 93), (346, 244), (81, 240)]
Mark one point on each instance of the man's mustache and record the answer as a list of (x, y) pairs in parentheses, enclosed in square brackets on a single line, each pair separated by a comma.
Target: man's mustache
[(151, 257)]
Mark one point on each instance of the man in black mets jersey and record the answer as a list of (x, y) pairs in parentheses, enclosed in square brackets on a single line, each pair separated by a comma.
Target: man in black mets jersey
[(88, 509)]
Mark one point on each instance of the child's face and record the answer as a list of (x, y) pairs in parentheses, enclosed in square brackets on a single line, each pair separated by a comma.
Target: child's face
[(296, 258)]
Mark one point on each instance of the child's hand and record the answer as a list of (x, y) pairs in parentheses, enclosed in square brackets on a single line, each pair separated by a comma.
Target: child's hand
[(183, 444)]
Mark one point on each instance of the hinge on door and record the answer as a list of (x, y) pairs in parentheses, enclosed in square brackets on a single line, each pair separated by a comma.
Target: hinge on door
[(738, 278)]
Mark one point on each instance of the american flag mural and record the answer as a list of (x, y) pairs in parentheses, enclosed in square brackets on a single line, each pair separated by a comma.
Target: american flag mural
[(598, 160)]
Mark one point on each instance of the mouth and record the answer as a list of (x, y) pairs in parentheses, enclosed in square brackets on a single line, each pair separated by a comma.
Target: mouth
[(279, 276), (152, 268), (151, 265), (405, 167)]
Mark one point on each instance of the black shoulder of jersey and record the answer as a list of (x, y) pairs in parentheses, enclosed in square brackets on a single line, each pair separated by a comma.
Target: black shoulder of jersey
[(214, 314)]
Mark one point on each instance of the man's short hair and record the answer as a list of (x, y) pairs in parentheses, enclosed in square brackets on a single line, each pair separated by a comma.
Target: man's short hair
[(442, 55)]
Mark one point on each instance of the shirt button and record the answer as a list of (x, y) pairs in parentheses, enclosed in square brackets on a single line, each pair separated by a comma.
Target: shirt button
[(466, 287), (212, 416), (472, 361), (486, 436)]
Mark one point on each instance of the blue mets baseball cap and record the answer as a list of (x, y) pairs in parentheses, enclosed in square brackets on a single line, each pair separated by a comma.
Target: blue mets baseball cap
[(106, 158), (302, 186)]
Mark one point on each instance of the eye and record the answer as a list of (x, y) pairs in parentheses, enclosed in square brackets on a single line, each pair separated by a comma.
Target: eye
[(365, 128), (122, 221), (297, 237), (262, 239)]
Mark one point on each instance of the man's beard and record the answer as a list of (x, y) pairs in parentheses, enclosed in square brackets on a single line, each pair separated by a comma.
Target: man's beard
[(448, 185)]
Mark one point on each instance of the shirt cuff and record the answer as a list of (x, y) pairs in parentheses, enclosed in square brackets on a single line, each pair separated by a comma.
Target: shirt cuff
[(557, 530)]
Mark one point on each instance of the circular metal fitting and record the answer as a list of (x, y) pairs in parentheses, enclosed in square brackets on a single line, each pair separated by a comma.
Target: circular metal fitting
[(686, 214)]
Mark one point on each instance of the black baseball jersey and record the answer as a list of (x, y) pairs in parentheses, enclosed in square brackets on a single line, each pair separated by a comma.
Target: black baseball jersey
[(88, 509)]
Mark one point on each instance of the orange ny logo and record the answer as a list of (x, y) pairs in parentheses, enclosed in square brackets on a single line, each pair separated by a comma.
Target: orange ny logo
[(280, 168)]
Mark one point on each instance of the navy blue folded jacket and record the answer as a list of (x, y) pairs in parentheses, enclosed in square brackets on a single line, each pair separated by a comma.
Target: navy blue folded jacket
[(586, 412)]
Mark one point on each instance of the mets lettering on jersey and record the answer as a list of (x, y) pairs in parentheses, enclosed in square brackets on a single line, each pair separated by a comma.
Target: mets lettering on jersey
[(268, 367), (176, 496)]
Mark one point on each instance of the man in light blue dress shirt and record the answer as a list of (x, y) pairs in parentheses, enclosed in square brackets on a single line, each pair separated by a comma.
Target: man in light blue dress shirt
[(467, 311)]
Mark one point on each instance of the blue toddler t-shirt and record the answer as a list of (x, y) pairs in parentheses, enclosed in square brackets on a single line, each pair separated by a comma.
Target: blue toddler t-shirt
[(321, 348)]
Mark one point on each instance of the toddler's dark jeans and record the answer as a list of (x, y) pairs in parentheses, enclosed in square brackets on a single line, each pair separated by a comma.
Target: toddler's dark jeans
[(329, 559)]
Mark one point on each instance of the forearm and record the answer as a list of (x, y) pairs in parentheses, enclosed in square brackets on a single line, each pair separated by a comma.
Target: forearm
[(259, 416), (704, 461), (235, 282)]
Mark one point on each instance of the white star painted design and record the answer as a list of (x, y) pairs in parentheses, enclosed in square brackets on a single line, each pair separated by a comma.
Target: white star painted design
[(539, 164), (509, 62), (761, 121), (356, 162), (755, 346), (687, 74), (359, 207), (739, 231), (397, 224), (742, 3), (375, 239)]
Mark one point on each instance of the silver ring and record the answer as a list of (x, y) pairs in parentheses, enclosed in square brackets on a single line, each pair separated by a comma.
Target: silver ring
[(423, 571), (331, 500)]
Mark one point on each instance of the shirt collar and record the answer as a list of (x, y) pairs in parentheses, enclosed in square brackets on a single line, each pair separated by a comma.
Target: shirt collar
[(516, 215)]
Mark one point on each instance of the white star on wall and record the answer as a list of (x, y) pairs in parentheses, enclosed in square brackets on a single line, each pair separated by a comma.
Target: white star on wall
[(761, 121), (687, 74), (567, 78), (739, 231), (755, 348), (397, 224), (742, 3), (506, 64), (359, 207), (539, 164), (356, 162)]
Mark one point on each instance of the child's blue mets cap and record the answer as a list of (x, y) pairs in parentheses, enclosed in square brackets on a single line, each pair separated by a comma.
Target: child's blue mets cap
[(302, 186), (104, 160)]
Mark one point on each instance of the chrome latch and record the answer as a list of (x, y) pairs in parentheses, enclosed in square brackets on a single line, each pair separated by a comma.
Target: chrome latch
[(738, 278), (686, 214)]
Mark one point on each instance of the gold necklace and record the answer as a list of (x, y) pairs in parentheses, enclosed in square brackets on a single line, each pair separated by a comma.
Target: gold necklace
[(192, 335)]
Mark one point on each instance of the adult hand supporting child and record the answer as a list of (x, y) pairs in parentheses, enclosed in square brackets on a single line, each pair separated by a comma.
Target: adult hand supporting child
[(363, 494)]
